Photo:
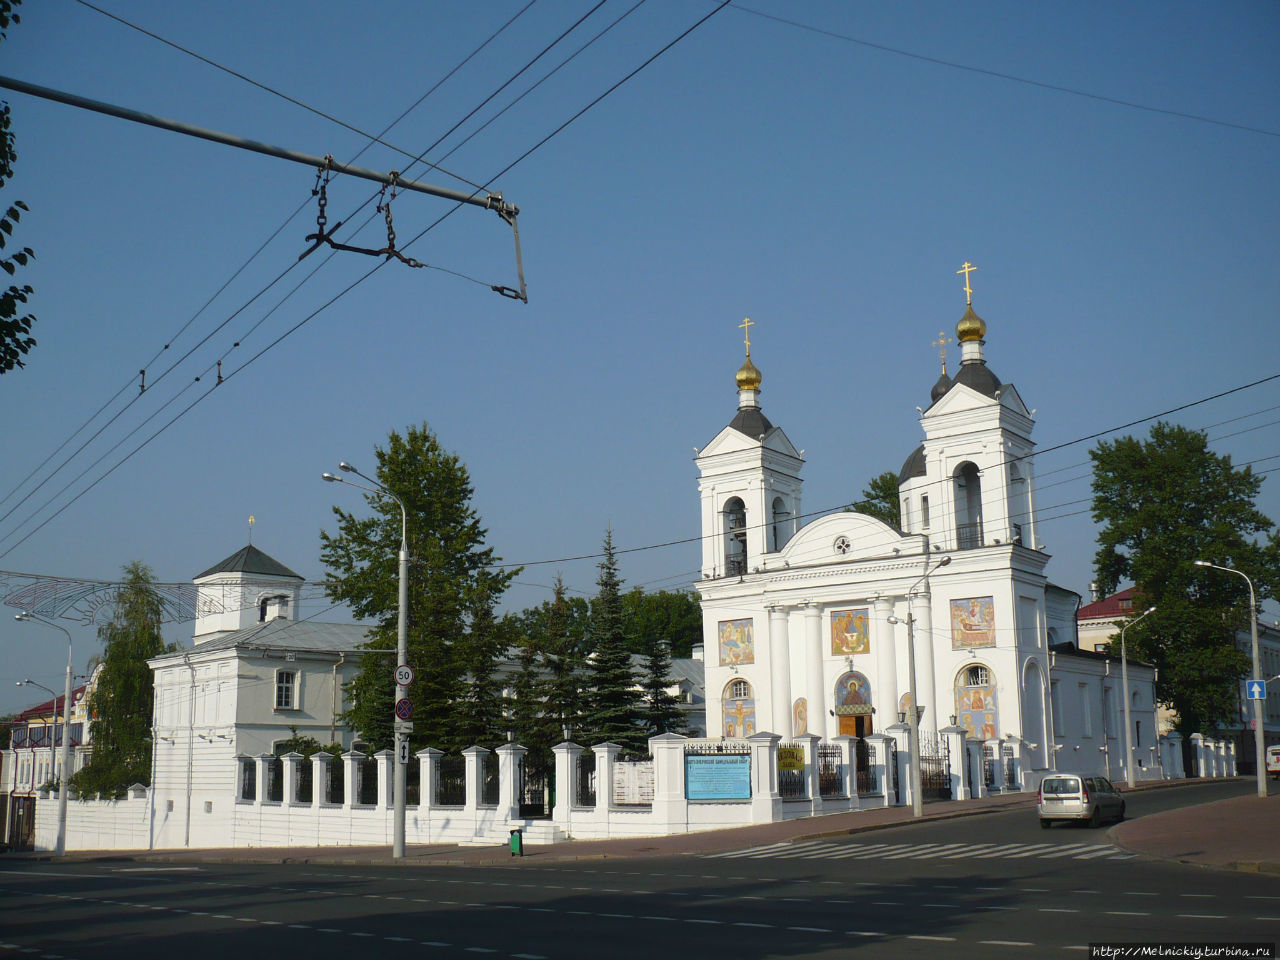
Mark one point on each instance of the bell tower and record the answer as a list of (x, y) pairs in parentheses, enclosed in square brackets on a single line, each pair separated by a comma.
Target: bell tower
[(970, 483), (749, 482)]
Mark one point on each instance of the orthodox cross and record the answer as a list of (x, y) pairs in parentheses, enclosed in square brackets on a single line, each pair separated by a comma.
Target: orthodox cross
[(967, 269), (251, 528), (746, 326), (941, 344)]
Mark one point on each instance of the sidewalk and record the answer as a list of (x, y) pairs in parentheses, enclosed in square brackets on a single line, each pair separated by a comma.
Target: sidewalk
[(1241, 833)]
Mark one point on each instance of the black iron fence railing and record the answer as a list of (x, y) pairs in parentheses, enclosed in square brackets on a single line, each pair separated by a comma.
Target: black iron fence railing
[(830, 770), (367, 778), (586, 794), (451, 781), (489, 780)]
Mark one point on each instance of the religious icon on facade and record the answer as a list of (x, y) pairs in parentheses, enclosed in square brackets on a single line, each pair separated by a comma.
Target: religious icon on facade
[(739, 710), (800, 717), (853, 695), (976, 707), (973, 623), (849, 632), (737, 642)]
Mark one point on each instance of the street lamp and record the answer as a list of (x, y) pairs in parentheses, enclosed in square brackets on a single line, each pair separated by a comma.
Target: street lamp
[(913, 715), (28, 617), (1124, 683), (402, 650), (1259, 752)]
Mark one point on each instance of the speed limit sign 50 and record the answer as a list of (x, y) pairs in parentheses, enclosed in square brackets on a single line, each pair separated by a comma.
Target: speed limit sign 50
[(404, 675)]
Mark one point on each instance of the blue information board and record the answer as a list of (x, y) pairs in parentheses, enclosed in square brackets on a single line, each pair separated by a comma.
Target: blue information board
[(717, 777)]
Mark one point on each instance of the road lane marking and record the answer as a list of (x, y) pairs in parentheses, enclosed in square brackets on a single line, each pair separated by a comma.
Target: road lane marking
[(1007, 943)]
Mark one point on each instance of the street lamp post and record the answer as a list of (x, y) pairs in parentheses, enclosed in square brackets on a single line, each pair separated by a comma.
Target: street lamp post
[(1259, 751), (28, 617), (402, 650), (913, 715), (1124, 683)]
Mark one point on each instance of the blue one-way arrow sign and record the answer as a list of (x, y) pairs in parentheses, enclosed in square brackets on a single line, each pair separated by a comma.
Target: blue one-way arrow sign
[(1257, 689)]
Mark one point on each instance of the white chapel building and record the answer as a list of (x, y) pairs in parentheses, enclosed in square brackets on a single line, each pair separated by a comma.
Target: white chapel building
[(807, 626)]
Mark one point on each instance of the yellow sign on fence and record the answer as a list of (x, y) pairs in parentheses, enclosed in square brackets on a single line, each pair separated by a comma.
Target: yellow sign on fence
[(791, 758)]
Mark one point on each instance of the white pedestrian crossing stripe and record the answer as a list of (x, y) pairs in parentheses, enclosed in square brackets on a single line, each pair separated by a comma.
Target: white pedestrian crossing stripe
[(834, 850)]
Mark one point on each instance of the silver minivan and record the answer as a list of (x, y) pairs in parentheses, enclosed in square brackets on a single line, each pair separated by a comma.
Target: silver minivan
[(1074, 796)]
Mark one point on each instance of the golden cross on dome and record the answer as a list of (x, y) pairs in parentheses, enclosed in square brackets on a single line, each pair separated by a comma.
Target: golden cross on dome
[(746, 326), (941, 344), (967, 269), (251, 528)]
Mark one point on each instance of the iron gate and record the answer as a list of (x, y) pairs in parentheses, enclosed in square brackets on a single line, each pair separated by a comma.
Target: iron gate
[(935, 767), (533, 790), (866, 773)]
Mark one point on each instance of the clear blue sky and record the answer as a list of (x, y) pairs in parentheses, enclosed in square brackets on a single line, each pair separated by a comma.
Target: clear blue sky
[(825, 188)]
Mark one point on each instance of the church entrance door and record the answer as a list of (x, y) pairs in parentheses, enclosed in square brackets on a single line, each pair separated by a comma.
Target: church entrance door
[(858, 725)]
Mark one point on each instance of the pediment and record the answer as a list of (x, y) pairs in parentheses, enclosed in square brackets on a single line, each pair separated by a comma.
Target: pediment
[(730, 440), (962, 399), (866, 537)]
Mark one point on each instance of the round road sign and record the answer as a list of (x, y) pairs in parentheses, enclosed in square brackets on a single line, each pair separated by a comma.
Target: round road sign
[(404, 709), (404, 675)]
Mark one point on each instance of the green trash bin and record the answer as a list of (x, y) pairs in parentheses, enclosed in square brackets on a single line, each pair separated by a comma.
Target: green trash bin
[(517, 842)]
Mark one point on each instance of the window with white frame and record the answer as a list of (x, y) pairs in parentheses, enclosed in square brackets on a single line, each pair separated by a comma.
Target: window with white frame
[(286, 690), (977, 676)]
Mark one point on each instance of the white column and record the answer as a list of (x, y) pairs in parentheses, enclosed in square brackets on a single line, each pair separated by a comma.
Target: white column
[(262, 773), (669, 803), (920, 609), (884, 691), (814, 684), (848, 767), (957, 755), (881, 743), (350, 777), (779, 665), (606, 757)]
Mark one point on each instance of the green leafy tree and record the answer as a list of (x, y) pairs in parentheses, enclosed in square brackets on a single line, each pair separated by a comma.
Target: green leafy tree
[(670, 617), (453, 583), (880, 499), (15, 326), (6, 729), (121, 703), (613, 709), (1164, 503)]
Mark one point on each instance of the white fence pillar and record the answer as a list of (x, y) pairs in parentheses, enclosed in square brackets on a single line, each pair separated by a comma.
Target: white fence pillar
[(848, 768), (1174, 766), (764, 776), (809, 744), (384, 759), (320, 778), (509, 757), (977, 768), (957, 757), (566, 755), (606, 758), (351, 778), (883, 765), (262, 776), (290, 763), (669, 804), (901, 734), (428, 778)]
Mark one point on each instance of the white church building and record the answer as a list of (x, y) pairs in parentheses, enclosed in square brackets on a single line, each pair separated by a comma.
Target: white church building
[(808, 628)]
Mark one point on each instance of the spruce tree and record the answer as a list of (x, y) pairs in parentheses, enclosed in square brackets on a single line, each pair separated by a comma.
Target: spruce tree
[(450, 570), (122, 700), (662, 713), (614, 711)]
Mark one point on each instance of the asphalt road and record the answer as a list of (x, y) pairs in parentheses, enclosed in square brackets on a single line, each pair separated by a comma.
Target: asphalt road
[(994, 885)]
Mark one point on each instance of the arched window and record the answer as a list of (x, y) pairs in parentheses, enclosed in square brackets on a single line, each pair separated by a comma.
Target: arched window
[(739, 690), (735, 548), (977, 676), (968, 488), (779, 529), (976, 707)]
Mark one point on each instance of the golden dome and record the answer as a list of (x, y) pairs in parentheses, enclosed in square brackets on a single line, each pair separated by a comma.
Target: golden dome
[(748, 376), (971, 326)]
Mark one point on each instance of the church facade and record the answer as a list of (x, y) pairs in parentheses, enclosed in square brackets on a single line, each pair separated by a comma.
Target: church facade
[(828, 627)]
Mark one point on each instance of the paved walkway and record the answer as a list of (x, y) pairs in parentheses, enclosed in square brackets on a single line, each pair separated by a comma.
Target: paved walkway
[(1242, 833)]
